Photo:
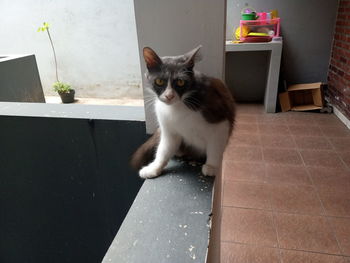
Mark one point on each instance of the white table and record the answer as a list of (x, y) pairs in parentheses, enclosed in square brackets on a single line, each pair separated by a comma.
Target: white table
[(275, 48)]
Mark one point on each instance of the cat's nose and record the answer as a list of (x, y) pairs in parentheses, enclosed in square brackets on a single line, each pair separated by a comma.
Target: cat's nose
[(169, 96)]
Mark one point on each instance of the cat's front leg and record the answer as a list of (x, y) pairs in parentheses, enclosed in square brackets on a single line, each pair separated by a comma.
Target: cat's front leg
[(215, 149), (168, 145)]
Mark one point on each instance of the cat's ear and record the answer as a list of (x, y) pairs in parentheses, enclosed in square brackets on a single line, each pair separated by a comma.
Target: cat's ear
[(193, 56), (153, 62)]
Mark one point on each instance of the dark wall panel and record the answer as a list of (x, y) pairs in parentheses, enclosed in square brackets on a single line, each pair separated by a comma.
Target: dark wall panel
[(65, 186)]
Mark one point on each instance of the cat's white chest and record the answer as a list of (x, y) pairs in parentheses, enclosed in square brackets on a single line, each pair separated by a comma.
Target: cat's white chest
[(190, 125)]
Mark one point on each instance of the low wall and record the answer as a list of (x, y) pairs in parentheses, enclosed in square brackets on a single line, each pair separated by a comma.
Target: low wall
[(19, 79), (65, 182)]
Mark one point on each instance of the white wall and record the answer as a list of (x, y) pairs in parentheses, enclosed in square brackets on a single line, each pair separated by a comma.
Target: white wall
[(96, 43)]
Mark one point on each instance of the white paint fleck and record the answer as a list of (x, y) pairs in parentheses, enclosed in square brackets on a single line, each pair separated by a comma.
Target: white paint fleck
[(185, 234), (140, 221), (185, 226), (191, 248), (169, 241), (168, 256), (197, 213), (135, 242)]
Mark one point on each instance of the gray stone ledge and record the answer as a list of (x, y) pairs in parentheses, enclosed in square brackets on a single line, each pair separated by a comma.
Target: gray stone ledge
[(75, 111), (169, 220)]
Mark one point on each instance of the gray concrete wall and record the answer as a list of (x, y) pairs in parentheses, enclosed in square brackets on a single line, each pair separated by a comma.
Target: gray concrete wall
[(19, 79), (96, 43), (307, 29), (175, 27)]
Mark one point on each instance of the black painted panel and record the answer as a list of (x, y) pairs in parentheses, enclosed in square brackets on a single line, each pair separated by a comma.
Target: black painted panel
[(65, 186)]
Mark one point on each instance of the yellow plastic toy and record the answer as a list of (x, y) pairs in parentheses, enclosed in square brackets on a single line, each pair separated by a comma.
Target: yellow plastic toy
[(257, 34), (245, 32)]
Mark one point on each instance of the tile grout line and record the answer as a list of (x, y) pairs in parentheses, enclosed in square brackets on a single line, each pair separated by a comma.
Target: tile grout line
[(285, 212), (317, 191), (286, 249), (272, 214), (325, 214), (272, 211), (335, 151)]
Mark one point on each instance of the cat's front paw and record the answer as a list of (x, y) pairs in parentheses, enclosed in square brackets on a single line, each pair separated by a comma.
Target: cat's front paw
[(149, 171), (208, 170)]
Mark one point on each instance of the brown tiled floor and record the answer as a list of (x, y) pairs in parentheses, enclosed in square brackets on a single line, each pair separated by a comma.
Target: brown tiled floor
[(286, 189)]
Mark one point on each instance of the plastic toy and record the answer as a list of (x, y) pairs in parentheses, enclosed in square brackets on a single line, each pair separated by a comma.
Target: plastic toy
[(248, 13)]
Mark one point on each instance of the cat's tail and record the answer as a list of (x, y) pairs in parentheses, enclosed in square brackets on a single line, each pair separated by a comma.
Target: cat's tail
[(146, 152)]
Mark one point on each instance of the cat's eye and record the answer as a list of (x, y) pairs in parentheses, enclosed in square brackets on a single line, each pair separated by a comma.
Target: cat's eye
[(159, 82), (180, 82)]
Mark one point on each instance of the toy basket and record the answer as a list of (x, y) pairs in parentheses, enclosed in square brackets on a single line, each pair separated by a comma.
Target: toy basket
[(270, 27)]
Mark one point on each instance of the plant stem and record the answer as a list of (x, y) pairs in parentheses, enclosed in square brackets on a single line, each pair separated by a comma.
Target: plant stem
[(54, 53)]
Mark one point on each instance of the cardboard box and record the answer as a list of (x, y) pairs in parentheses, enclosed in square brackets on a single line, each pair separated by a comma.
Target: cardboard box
[(302, 97)]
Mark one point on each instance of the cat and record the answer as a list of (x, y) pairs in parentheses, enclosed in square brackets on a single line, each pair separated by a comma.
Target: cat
[(195, 114)]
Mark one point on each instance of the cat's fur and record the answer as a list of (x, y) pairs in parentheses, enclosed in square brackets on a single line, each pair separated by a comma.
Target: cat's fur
[(195, 117)]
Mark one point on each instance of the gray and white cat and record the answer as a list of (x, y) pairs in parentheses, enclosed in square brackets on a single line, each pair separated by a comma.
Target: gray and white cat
[(195, 114)]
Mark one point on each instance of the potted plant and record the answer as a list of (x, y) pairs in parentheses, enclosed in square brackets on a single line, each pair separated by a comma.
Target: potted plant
[(63, 89)]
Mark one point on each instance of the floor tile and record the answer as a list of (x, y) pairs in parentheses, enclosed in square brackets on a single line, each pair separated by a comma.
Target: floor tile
[(246, 118), (295, 199), (276, 129), (336, 203), (244, 139), (304, 130), (243, 153), (241, 253), (340, 144), (244, 171), (248, 226), (277, 141), (335, 131), (321, 158), (327, 120), (342, 231), (290, 256), (287, 174), (250, 195), (279, 118), (330, 179), (251, 128), (304, 232), (264, 169), (301, 119), (313, 143), (281, 156), (345, 156)]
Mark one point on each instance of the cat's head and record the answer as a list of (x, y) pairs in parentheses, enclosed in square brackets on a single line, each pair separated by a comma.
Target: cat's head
[(171, 78)]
